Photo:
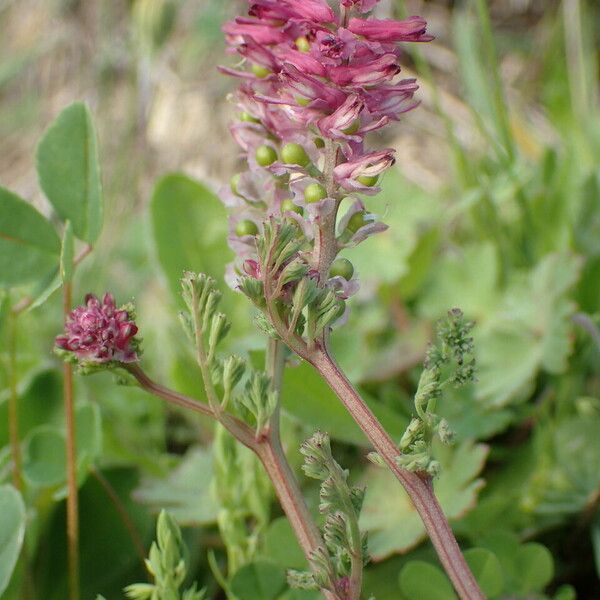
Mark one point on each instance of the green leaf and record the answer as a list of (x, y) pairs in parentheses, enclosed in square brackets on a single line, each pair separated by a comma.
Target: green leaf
[(595, 533), (29, 246), (12, 532), (44, 460), (69, 171), (420, 580), (185, 492), (530, 331), (389, 515), (281, 545), (487, 570), (307, 398), (260, 580), (190, 229), (536, 567), (67, 254)]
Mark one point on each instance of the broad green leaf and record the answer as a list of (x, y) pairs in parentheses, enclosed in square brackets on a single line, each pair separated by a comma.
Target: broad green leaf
[(388, 514), (536, 567), (67, 254), (190, 229), (29, 245), (281, 545), (307, 398), (44, 460), (487, 570), (88, 436), (530, 331), (420, 580), (69, 171), (12, 532), (185, 492), (260, 580)]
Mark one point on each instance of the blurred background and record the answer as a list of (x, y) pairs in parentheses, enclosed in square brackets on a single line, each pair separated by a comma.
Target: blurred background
[(493, 206)]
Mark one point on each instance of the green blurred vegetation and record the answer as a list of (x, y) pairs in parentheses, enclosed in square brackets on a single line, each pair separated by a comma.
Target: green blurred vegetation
[(494, 207)]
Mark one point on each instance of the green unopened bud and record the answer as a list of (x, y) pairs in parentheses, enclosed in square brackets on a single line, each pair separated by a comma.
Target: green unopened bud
[(342, 267), (260, 71), (288, 205), (353, 128), (234, 182), (302, 44), (314, 193), (302, 101), (246, 117), (319, 142), (294, 154), (369, 181), (265, 155), (246, 227), (357, 220)]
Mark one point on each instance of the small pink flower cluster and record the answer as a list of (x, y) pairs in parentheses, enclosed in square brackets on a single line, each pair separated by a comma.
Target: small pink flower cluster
[(315, 82), (98, 332)]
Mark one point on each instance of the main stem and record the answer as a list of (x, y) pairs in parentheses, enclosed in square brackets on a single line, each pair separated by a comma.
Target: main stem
[(72, 500), (274, 460), (420, 489)]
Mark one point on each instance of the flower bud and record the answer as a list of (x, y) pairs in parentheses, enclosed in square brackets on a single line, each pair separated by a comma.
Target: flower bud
[(246, 227), (342, 267), (260, 71), (357, 220), (234, 182), (302, 44), (288, 205), (265, 155), (314, 193), (294, 154), (369, 181)]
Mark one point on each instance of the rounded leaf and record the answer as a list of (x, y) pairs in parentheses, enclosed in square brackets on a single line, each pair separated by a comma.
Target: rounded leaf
[(29, 245), (12, 532), (487, 570), (420, 580)]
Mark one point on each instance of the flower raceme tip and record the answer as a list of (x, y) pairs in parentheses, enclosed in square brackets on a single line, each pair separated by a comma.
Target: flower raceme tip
[(98, 332)]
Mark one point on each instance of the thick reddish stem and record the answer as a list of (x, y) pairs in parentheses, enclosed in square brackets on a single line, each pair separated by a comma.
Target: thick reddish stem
[(420, 489)]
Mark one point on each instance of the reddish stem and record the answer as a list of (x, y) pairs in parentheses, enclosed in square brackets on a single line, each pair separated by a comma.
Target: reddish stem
[(420, 489)]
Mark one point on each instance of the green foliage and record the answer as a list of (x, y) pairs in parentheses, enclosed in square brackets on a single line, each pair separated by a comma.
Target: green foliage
[(259, 580), (166, 564), (69, 172), (29, 246), (12, 532)]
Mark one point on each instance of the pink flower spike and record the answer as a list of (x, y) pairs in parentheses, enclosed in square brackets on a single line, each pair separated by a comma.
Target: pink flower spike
[(363, 5), (412, 29), (377, 71), (313, 10), (97, 332)]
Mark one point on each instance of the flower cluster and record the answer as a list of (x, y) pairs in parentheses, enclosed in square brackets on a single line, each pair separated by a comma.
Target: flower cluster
[(314, 82), (100, 333)]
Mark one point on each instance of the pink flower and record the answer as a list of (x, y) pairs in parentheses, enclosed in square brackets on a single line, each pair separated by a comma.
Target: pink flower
[(341, 119), (370, 73), (363, 5), (98, 332), (389, 30), (368, 165)]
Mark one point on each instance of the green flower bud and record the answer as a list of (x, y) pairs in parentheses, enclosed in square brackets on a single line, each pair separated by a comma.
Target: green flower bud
[(234, 182), (288, 205), (357, 220), (294, 154), (367, 180), (319, 142), (265, 155), (303, 101), (246, 227), (246, 117), (314, 192), (342, 267), (260, 71), (353, 128), (302, 44)]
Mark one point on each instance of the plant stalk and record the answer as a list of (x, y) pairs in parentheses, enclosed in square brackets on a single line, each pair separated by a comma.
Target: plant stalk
[(419, 488), (72, 499)]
